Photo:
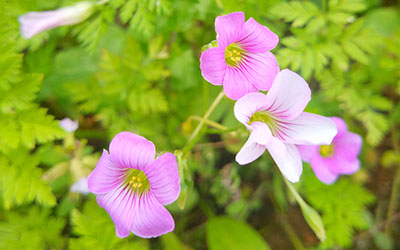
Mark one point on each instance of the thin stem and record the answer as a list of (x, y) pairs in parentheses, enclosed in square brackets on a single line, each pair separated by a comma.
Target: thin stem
[(189, 143), (394, 196), (208, 122), (296, 195)]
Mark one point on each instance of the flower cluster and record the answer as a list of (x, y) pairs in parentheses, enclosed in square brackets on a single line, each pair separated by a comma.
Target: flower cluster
[(243, 64)]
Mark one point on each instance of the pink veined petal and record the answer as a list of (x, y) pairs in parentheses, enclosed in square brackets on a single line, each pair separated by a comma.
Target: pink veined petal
[(249, 104), (106, 176), (308, 129), (289, 95), (307, 152), (340, 124), (321, 169), (347, 145), (152, 219), (236, 84), (129, 150), (230, 28), (121, 205), (258, 38), (213, 65), (260, 69), (338, 165), (164, 179), (255, 144), (287, 158)]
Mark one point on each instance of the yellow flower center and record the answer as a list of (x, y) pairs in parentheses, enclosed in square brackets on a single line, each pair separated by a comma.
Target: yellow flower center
[(233, 54), (267, 118), (326, 150), (137, 181)]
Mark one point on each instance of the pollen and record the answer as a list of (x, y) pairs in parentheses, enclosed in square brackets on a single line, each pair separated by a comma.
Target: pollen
[(234, 54), (137, 181), (326, 150)]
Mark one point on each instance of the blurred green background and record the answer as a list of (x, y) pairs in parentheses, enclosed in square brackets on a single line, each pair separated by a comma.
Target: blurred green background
[(134, 66)]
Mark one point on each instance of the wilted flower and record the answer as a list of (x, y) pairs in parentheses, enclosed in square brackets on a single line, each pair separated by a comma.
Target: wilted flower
[(69, 125), (132, 186), (80, 186), (242, 62), (340, 157), (277, 122), (33, 23)]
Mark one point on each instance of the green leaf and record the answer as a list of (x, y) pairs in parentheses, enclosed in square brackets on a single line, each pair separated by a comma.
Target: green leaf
[(227, 233)]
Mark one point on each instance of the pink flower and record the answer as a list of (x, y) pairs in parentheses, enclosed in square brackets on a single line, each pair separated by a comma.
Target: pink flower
[(277, 122), (132, 186), (33, 23), (242, 62), (340, 157)]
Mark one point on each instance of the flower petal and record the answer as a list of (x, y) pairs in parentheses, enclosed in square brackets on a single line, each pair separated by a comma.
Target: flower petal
[(260, 69), (249, 104), (129, 150), (287, 158), (236, 83), (213, 65), (152, 219), (338, 165), (321, 169), (255, 144), (308, 129), (289, 95), (307, 151), (121, 205), (347, 145), (340, 124), (106, 176), (258, 37), (164, 179), (230, 28)]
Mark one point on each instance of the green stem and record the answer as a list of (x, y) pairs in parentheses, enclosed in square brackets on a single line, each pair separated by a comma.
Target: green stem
[(296, 195), (190, 142), (208, 122), (394, 196)]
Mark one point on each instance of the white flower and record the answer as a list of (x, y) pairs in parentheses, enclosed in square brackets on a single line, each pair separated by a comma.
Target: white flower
[(80, 186), (68, 125), (33, 23)]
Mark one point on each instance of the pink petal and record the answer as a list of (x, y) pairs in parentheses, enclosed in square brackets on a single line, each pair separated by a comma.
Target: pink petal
[(321, 169), (340, 124), (287, 158), (308, 129), (121, 205), (307, 152), (106, 176), (347, 145), (289, 95), (152, 218), (164, 179), (258, 38), (236, 83), (249, 104), (255, 145), (230, 28), (213, 65), (260, 69), (129, 150), (338, 165)]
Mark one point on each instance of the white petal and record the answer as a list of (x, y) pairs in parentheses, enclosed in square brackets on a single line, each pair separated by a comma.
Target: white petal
[(308, 129), (249, 104), (289, 95), (287, 158)]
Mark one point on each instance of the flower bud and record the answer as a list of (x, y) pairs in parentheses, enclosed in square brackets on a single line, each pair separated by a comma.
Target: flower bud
[(33, 23)]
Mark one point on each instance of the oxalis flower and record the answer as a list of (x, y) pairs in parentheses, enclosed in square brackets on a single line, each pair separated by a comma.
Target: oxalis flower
[(241, 62), (277, 122), (33, 23), (132, 186), (340, 157)]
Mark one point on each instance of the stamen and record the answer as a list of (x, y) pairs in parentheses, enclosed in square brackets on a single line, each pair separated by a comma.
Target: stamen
[(234, 54)]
